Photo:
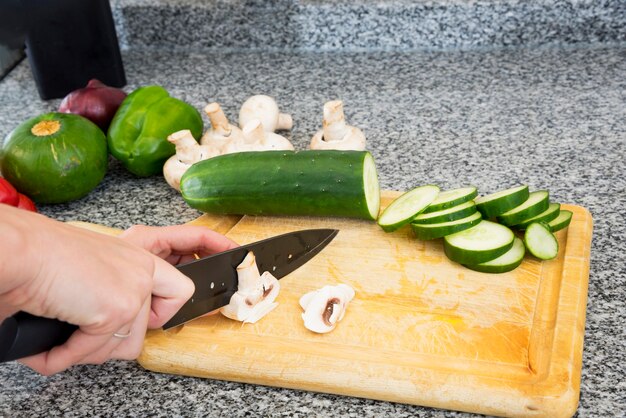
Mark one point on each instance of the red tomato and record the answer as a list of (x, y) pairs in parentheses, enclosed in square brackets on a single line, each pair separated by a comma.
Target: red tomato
[(8, 194), (26, 203)]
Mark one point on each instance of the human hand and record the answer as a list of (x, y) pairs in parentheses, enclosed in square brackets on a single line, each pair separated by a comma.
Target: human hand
[(103, 284)]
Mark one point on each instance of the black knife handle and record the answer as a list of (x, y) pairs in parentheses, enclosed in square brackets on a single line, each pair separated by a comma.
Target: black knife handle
[(23, 335)]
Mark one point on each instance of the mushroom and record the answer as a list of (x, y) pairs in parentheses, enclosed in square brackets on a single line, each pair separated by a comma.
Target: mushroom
[(335, 132), (188, 152), (265, 109), (221, 132), (325, 307), (255, 294), (256, 139)]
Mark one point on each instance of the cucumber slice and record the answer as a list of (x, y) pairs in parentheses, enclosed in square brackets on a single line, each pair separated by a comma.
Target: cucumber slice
[(406, 207), (561, 221), (483, 242), (432, 231), (545, 216), (451, 214), (451, 198), (540, 241), (536, 203), (497, 203), (508, 261)]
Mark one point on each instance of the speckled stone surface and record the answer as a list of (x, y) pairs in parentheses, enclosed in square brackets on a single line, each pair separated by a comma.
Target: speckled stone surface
[(551, 118), (366, 24)]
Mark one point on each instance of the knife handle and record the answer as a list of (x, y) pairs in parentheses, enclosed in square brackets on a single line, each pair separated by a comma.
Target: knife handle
[(23, 335)]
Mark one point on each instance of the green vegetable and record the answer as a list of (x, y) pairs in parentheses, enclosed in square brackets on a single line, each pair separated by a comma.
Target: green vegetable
[(55, 157), (139, 130), (451, 198), (497, 203), (561, 221), (406, 207), (478, 244), (536, 203), (546, 216), (432, 231), (508, 261), (314, 183), (540, 241), (446, 215)]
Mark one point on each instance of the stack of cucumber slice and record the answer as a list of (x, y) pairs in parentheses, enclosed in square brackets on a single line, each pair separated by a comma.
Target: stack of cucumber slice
[(477, 232)]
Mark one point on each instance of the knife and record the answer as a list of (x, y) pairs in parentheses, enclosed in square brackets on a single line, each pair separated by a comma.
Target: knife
[(215, 278)]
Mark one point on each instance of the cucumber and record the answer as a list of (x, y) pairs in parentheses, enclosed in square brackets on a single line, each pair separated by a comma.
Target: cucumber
[(540, 241), (308, 183), (497, 203), (536, 203), (482, 242), (406, 207), (545, 216), (451, 198), (432, 231), (451, 214), (561, 221), (508, 261)]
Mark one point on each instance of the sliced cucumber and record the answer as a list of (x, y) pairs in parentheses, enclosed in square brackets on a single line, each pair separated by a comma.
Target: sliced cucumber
[(451, 198), (540, 241), (406, 207), (432, 231), (561, 221), (508, 261), (496, 204), (482, 242), (545, 216), (451, 214), (536, 203)]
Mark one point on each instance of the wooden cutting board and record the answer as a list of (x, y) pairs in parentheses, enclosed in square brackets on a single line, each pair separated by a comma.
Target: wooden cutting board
[(421, 330)]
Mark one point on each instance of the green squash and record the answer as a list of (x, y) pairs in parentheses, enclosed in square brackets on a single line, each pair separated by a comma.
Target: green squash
[(55, 157)]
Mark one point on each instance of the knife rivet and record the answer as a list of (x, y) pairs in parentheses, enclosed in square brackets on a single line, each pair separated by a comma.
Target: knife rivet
[(290, 256), (212, 285)]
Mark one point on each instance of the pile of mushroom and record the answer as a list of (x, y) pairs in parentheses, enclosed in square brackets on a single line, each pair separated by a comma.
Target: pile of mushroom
[(259, 114), (255, 293), (335, 132), (325, 307)]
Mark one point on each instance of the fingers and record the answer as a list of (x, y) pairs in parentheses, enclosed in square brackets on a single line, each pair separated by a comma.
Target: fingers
[(178, 240), (171, 289)]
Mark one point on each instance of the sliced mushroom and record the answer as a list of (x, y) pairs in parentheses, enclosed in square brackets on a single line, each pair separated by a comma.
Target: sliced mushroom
[(335, 132), (325, 307), (256, 139), (188, 152), (255, 294), (221, 133), (266, 110)]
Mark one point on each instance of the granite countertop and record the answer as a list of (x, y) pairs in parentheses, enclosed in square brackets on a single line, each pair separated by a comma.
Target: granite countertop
[(552, 118)]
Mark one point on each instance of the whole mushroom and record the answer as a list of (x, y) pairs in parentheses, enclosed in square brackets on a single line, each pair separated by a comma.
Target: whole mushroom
[(325, 307), (188, 152), (221, 133), (255, 293), (265, 109), (335, 132), (256, 139)]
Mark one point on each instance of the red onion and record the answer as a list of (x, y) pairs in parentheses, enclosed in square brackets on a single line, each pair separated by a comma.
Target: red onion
[(97, 102)]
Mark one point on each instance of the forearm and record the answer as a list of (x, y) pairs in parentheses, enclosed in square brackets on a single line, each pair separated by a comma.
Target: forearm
[(17, 262)]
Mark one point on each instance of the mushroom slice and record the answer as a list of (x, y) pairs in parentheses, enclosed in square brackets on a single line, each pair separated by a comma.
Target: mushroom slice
[(325, 307), (336, 133), (255, 294)]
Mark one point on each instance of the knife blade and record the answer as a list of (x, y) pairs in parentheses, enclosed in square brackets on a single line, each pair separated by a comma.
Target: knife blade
[(215, 278)]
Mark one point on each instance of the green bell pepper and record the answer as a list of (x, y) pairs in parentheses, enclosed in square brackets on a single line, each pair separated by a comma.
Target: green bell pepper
[(139, 130)]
